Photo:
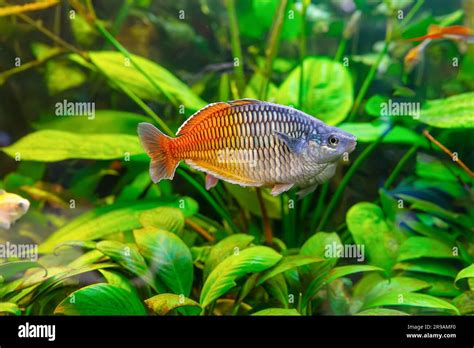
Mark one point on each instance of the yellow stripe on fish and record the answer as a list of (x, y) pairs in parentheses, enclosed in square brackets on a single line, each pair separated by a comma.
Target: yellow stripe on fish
[(250, 143)]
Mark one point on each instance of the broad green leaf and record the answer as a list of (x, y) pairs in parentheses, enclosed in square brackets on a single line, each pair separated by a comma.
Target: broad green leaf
[(370, 132), (381, 311), (224, 276), (413, 300), (169, 258), (452, 112), (417, 247), (104, 221), (119, 280), (433, 168), (368, 228), (343, 271), (467, 272), (166, 218), (396, 284), (9, 269), (55, 145), (327, 90), (277, 289), (113, 65), (101, 299), (277, 311), (287, 263), (104, 122), (438, 267), (439, 286), (125, 255), (7, 307), (162, 304), (224, 248)]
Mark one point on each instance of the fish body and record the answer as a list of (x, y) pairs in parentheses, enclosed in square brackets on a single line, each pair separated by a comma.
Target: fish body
[(459, 32), (12, 208), (250, 143)]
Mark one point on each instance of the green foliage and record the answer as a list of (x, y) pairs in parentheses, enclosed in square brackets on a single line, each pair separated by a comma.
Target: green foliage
[(113, 243)]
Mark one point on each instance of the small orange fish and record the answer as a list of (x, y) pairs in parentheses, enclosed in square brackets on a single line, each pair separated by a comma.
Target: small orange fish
[(459, 32), (250, 143), (415, 54)]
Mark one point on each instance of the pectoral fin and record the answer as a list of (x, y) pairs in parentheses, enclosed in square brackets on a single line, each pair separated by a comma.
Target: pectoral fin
[(296, 145), (211, 181), (306, 191), (280, 188)]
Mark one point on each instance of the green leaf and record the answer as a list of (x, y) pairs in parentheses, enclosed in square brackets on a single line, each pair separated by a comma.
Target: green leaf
[(114, 66), (55, 145), (327, 90), (417, 247), (287, 263), (9, 269), (343, 271), (414, 300), (433, 168), (368, 228), (166, 218), (104, 221), (119, 280), (438, 267), (7, 307), (277, 289), (125, 255), (223, 277), (381, 311), (225, 248), (277, 311), (467, 272), (104, 122), (164, 303), (453, 112), (370, 132), (101, 299), (393, 285), (169, 256)]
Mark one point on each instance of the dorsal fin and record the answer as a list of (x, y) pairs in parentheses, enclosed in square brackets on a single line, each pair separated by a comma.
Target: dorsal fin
[(209, 111)]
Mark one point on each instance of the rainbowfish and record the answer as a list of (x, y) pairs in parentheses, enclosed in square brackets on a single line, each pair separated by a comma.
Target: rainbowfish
[(455, 32), (12, 207), (250, 143)]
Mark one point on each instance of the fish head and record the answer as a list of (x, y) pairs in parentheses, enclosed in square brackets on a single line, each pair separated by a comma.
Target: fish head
[(329, 144), (13, 206)]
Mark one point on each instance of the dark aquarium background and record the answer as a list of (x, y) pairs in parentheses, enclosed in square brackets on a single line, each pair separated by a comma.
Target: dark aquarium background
[(390, 234)]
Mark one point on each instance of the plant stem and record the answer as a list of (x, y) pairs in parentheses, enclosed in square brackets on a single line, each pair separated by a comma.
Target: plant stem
[(412, 12), (341, 49), (206, 235), (319, 206), (208, 197), (396, 171), (302, 53), (373, 70), (345, 180), (267, 229), (273, 46), (236, 48)]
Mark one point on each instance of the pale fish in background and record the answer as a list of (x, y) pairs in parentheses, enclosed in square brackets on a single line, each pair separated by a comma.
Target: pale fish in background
[(12, 208)]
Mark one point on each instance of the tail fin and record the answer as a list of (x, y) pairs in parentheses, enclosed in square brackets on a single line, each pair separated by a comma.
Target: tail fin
[(156, 145)]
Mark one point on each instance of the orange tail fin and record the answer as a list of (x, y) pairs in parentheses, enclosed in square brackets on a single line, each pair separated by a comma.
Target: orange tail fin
[(156, 144)]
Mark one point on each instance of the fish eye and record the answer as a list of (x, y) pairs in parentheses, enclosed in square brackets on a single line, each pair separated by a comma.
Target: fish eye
[(333, 140), (21, 205)]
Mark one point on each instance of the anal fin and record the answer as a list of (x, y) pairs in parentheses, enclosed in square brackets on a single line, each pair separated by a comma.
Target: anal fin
[(280, 188), (211, 181), (306, 191)]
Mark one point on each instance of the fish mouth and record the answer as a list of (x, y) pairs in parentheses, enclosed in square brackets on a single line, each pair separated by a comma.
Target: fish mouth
[(352, 144)]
